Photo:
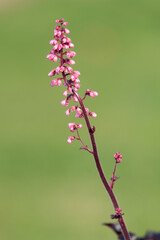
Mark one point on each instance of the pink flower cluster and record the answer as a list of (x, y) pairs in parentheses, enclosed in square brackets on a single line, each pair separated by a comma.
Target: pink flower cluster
[(118, 157), (73, 126), (118, 211), (62, 54)]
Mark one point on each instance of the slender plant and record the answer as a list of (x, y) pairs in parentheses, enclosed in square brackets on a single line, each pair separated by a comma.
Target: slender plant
[(70, 79)]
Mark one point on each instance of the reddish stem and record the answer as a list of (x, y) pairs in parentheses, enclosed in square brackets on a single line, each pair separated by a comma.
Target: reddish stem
[(99, 168), (114, 178)]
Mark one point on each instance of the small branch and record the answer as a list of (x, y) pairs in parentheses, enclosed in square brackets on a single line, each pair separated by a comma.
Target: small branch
[(85, 146), (86, 149), (84, 97), (114, 178)]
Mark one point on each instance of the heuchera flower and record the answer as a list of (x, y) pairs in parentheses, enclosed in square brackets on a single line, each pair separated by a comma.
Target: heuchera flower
[(62, 54), (118, 157)]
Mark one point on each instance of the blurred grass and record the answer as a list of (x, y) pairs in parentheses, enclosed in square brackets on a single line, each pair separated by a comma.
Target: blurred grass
[(49, 190)]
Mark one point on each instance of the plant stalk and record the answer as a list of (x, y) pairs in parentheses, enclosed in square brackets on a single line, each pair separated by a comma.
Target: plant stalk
[(100, 170)]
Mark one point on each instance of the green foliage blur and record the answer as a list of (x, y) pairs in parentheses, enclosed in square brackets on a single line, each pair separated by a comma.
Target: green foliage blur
[(48, 188)]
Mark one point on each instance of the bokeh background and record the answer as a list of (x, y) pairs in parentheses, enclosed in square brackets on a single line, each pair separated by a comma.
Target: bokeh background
[(48, 188)]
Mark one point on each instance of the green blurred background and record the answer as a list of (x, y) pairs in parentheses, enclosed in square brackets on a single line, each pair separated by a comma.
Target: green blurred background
[(48, 188)]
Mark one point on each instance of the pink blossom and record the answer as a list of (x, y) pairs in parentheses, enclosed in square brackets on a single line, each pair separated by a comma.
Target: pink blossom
[(77, 80), (68, 69), (79, 126), (71, 45), (70, 139), (70, 54), (74, 126), (53, 42), (59, 82), (73, 108), (65, 93), (78, 115), (64, 40), (52, 57), (67, 112), (93, 114), (59, 69), (70, 61), (68, 40), (118, 157), (87, 110), (64, 103), (75, 98), (66, 30), (77, 86), (65, 23), (52, 73), (56, 82), (78, 109), (91, 93)]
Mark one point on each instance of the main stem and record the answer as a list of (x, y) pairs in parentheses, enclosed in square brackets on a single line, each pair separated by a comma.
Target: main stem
[(99, 168)]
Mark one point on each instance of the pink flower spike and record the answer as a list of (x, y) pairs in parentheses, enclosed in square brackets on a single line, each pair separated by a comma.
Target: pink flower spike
[(118, 211), (57, 21), (70, 139), (66, 30)]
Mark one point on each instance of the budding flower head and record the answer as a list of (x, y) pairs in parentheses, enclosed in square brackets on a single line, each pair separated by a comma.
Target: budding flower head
[(70, 139), (118, 157), (61, 53), (91, 93), (118, 211)]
